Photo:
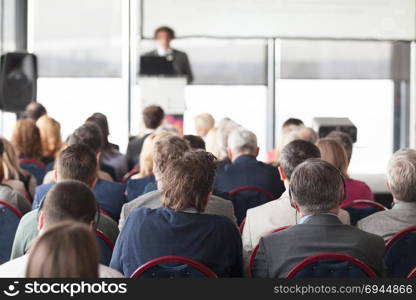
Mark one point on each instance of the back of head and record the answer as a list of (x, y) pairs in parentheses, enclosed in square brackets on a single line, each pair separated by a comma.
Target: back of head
[(334, 153), (100, 120), (305, 133), (167, 149), (26, 139), (88, 134), (242, 141), (77, 162), (401, 175), (292, 122), (295, 153), (50, 135), (345, 141), (225, 127), (34, 111), (195, 142), (188, 180), (316, 186), (69, 200), (10, 163), (204, 123), (66, 250), (153, 116)]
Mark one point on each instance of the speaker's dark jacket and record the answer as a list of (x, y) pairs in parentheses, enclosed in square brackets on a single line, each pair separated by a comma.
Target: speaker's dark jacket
[(180, 63), (280, 252)]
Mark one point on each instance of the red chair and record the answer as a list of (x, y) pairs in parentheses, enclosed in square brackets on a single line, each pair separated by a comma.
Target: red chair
[(246, 197), (187, 268), (103, 212), (412, 274), (364, 203), (242, 225), (106, 247), (359, 209), (331, 265), (399, 257), (254, 253), (132, 172), (9, 221)]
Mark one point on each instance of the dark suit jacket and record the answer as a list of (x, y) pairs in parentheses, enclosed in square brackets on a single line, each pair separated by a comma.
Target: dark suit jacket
[(110, 196), (280, 252), (180, 63)]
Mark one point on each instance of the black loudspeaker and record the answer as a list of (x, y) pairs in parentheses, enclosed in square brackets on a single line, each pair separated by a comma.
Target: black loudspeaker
[(18, 80)]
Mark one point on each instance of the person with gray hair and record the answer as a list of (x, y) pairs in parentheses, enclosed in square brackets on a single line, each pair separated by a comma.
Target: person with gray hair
[(316, 190), (401, 180), (245, 169), (302, 133)]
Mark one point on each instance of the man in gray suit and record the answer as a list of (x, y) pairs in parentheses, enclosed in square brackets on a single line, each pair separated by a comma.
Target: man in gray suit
[(166, 149), (316, 190), (401, 179), (180, 62)]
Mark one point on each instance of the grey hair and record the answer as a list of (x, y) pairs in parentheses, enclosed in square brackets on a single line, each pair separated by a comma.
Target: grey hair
[(303, 133), (225, 127), (242, 140), (401, 175), (316, 186)]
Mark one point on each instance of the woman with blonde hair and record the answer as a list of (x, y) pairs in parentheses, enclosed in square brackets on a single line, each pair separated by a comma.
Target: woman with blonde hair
[(203, 124), (66, 250), (27, 143), (136, 186), (50, 136), (334, 153)]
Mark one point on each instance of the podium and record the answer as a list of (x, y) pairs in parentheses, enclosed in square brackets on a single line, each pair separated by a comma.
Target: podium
[(168, 93)]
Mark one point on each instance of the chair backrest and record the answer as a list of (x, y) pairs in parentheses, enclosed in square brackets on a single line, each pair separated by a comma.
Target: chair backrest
[(331, 265), (9, 220), (173, 267), (254, 253), (106, 247), (247, 197), (242, 225), (131, 173), (400, 256), (359, 209), (34, 167), (412, 274)]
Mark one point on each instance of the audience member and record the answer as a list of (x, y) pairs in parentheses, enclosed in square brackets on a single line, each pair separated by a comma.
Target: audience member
[(195, 142), (167, 149), (152, 117), (245, 169), (212, 144), (66, 250), (401, 180), (111, 158), (203, 124), (263, 219), (224, 129), (27, 143), (291, 124), (50, 136), (180, 227), (316, 190), (66, 201), (302, 133), (334, 153), (12, 170), (344, 140), (137, 184), (34, 111)]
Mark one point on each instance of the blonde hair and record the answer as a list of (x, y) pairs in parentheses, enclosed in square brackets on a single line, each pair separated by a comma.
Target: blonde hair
[(204, 123), (334, 153), (10, 162), (50, 135), (146, 156), (211, 143)]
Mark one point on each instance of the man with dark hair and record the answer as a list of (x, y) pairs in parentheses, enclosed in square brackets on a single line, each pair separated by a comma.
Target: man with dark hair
[(78, 162), (166, 150), (153, 117), (316, 191), (34, 111), (292, 122), (179, 227), (180, 62), (195, 141), (66, 201), (263, 219)]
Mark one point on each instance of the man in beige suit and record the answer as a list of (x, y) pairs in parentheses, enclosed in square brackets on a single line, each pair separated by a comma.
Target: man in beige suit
[(263, 219)]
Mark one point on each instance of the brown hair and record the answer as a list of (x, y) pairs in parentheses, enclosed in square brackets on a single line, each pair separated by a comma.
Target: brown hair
[(166, 29), (188, 180), (334, 153), (166, 149), (50, 135), (66, 250), (344, 139), (10, 163), (26, 139), (153, 116)]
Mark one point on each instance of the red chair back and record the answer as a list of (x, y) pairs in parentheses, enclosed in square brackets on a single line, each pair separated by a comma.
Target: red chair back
[(254, 253), (17, 212), (412, 274), (174, 259), (132, 172), (361, 203), (251, 188), (32, 161), (398, 236), (242, 225), (331, 257)]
